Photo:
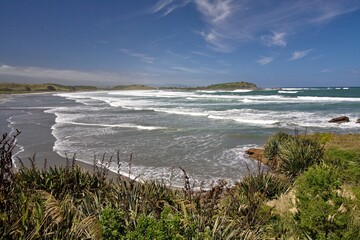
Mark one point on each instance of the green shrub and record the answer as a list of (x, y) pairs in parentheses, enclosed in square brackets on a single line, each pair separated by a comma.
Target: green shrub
[(299, 153), (170, 226), (270, 186), (322, 212), (292, 155), (348, 161), (69, 203), (340, 156), (272, 145), (113, 224), (51, 88)]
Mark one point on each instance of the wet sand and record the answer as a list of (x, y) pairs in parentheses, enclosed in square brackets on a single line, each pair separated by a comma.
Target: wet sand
[(35, 139)]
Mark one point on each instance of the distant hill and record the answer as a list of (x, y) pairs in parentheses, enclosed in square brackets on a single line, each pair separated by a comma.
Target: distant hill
[(221, 86), (9, 88), (132, 87), (232, 86)]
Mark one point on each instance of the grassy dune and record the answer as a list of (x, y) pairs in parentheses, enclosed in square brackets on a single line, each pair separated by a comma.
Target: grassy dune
[(9, 88), (318, 199)]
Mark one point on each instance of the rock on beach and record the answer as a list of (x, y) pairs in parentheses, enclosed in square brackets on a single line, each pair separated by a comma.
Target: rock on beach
[(342, 119)]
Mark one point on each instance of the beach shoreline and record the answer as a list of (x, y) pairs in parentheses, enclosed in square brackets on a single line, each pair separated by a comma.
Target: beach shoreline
[(161, 135), (36, 141)]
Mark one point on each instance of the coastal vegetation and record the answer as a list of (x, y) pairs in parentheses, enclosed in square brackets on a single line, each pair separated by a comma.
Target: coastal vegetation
[(10, 88), (16, 88), (232, 86), (222, 86), (312, 191)]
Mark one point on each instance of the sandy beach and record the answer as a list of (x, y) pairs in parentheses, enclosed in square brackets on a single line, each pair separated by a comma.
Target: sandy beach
[(36, 138)]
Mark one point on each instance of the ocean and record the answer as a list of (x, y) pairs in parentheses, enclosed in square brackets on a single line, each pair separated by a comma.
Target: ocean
[(204, 132)]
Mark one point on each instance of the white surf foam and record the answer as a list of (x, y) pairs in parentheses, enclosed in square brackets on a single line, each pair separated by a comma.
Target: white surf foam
[(206, 91), (327, 99), (122, 125), (242, 90), (288, 91), (202, 102), (295, 89), (71, 118), (183, 111)]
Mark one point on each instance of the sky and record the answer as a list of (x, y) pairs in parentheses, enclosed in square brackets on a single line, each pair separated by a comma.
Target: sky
[(271, 43)]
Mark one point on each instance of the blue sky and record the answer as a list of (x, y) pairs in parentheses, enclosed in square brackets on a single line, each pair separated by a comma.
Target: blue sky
[(272, 43)]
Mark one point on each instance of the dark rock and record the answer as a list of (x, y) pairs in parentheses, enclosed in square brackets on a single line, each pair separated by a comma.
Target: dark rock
[(358, 120), (342, 119)]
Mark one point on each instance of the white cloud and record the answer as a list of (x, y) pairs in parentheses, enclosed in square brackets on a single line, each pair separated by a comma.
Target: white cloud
[(217, 41), (276, 39), (230, 23), (203, 54), (325, 70), (142, 57), (264, 60), (186, 69), (38, 74), (64, 74), (161, 5), (168, 6), (339, 8), (300, 54), (216, 15), (216, 11)]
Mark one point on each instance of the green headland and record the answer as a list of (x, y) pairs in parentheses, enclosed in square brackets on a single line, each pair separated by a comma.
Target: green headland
[(16, 88)]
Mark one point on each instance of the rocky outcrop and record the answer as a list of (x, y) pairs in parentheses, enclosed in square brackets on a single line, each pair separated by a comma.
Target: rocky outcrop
[(258, 154), (342, 119), (273, 164), (358, 120)]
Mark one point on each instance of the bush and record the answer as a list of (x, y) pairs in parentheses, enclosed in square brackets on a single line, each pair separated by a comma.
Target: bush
[(272, 145), (323, 213), (299, 153), (292, 155), (113, 224), (69, 203), (8, 183), (170, 226), (270, 186), (51, 88)]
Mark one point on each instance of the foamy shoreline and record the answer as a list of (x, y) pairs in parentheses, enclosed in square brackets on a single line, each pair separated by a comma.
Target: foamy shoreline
[(203, 133), (4, 98), (43, 151)]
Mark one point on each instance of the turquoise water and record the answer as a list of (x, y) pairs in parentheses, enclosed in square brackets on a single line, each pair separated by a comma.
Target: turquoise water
[(205, 132)]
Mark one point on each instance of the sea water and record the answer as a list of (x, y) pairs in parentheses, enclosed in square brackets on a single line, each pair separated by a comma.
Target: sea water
[(204, 132)]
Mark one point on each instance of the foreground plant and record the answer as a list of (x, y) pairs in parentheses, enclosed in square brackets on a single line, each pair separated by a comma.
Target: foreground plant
[(298, 154), (292, 155), (69, 203), (327, 209)]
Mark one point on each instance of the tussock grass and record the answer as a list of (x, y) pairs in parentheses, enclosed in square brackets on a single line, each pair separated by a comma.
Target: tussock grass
[(70, 203)]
